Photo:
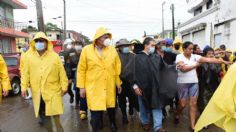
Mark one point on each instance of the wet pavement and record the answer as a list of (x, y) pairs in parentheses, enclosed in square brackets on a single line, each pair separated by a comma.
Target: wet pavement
[(17, 115)]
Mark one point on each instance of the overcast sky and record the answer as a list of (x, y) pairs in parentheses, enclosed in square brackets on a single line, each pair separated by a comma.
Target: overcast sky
[(124, 18)]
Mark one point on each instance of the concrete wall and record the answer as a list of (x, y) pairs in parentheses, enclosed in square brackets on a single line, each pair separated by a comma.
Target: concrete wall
[(225, 11)]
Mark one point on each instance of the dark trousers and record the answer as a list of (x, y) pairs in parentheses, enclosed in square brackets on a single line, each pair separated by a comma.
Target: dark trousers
[(49, 121), (82, 102), (97, 118), (126, 92), (70, 92)]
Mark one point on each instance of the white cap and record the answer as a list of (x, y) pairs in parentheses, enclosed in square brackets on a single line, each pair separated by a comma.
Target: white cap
[(68, 41)]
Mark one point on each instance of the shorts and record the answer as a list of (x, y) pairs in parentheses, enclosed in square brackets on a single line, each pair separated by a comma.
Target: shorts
[(186, 90)]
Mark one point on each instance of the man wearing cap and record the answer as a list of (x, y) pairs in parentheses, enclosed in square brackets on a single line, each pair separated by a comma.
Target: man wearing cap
[(168, 73), (127, 77), (43, 71), (98, 76)]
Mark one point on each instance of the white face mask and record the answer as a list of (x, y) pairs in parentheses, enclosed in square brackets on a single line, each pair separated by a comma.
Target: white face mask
[(69, 46), (78, 47), (39, 46), (107, 42)]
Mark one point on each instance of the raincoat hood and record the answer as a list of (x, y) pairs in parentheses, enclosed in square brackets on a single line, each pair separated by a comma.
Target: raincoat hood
[(43, 36), (178, 41), (100, 32)]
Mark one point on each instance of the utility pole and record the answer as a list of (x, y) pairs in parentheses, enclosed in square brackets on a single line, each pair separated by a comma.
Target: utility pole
[(172, 7), (64, 2), (163, 29), (40, 20)]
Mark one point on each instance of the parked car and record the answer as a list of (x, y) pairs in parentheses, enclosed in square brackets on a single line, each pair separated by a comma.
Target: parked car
[(13, 64)]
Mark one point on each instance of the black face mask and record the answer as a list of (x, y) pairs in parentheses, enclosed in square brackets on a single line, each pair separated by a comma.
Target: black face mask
[(177, 46)]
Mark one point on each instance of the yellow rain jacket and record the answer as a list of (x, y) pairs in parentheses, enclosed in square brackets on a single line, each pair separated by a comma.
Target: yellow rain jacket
[(99, 75), (178, 41), (46, 77), (4, 78), (221, 110)]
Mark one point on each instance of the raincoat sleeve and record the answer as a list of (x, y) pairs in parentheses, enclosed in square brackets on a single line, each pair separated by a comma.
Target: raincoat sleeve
[(81, 70), (221, 108), (118, 70), (22, 59), (4, 78), (62, 74), (24, 69)]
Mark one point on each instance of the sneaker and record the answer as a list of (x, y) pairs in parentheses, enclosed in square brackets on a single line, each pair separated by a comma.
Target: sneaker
[(146, 127), (83, 115), (28, 98), (161, 130)]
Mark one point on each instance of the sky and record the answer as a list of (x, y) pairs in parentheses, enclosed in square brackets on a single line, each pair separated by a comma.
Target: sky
[(123, 18)]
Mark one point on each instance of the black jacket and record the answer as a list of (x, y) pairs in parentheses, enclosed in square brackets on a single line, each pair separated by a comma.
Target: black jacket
[(147, 77)]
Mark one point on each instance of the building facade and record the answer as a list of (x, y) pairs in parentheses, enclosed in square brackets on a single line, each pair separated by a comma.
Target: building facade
[(9, 29), (213, 23)]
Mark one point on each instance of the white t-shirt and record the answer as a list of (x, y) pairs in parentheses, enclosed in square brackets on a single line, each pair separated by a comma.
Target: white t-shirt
[(190, 76)]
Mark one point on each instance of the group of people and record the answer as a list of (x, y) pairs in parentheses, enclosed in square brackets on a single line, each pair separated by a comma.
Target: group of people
[(151, 75)]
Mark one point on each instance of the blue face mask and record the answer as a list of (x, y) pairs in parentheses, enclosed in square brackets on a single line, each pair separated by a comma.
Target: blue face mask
[(151, 50), (163, 48), (168, 49), (125, 50), (24, 49), (39, 46)]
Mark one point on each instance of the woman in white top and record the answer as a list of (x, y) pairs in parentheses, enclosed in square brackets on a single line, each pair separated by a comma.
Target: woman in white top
[(188, 89)]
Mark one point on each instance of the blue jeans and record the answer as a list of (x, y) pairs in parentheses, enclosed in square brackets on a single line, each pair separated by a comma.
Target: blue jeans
[(144, 115)]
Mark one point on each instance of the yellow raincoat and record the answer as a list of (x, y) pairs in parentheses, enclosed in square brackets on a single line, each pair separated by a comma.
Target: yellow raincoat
[(4, 78), (99, 75), (221, 110), (46, 77), (178, 41)]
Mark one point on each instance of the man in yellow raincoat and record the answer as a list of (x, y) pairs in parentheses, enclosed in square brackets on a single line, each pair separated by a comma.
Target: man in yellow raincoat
[(5, 85), (43, 71), (98, 76), (23, 57), (221, 110), (178, 45)]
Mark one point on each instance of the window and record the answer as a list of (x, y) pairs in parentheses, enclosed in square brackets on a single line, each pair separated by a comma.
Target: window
[(217, 40), (58, 36), (209, 4), (11, 61), (198, 11)]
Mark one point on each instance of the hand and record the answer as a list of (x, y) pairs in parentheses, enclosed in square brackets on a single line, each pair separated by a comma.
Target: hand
[(63, 92), (82, 93), (119, 89), (138, 92), (227, 62), (24, 94), (70, 81), (5, 93), (180, 66)]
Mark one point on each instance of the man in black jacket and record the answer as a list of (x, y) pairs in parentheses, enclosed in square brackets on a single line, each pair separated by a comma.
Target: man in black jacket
[(147, 85)]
